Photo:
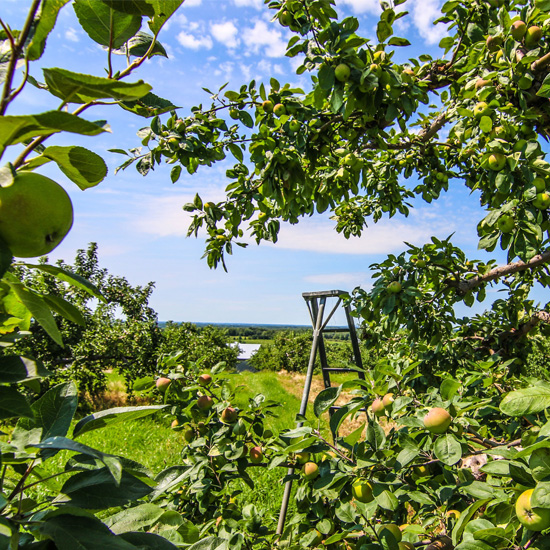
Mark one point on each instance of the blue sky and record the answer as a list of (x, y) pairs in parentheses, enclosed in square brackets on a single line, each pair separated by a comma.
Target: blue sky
[(139, 223)]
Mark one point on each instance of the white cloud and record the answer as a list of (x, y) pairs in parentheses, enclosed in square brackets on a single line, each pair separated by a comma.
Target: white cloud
[(193, 43), (362, 6), (248, 3), (246, 70), (261, 35), (191, 3), (226, 33), (225, 69), (424, 13), (72, 35)]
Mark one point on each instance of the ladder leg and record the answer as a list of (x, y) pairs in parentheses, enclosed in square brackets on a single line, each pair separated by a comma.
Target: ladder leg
[(354, 342), (318, 318)]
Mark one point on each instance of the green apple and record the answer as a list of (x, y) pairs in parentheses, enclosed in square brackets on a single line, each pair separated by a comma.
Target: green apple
[(342, 72), (394, 287), (35, 214), (189, 434), (518, 30), (387, 401), (377, 407), (267, 106), (542, 201), (256, 455), (310, 470), (234, 113), (205, 380), (437, 421), (279, 110), (302, 457), (162, 384), (262, 216), (361, 490), (535, 519), (391, 528), (229, 415), (533, 36), (506, 223), (285, 18), (493, 43), (496, 161), (294, 125), (525, 82), (482, 109), (540, 184), (481, 82)]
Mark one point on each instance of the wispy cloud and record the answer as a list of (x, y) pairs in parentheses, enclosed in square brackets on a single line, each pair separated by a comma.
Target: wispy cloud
[(363, 6), (71, 34), (347, 280), (248, 3)]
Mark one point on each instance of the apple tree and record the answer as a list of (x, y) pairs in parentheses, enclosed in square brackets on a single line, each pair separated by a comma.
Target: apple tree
[(370, 135)]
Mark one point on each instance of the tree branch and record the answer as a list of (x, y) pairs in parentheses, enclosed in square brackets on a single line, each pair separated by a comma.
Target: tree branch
[(465, 286)]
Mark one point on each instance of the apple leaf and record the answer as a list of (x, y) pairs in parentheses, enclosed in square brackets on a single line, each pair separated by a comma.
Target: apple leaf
[(45, 22), (325, 399), (80, 165), (448, 449), (17, 129), (139, 45), (113, 416), (151, 541), (149, 105), (65, 309), (13, 404), (38, 308), (108, 27), (14, 368), (529, 400), (163, 11), (82, 88)]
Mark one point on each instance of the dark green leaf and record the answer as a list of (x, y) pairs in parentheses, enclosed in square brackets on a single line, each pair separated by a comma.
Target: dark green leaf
[(104, 25), (82, 88), (45, 22), (14, 368), (113, 416), (163, 11), (16, 129), (65, 309), (13, 404), (140, 44), (148, 541), (448, 449), (149, 105), (325, 399), (96, 489), (529, 400)]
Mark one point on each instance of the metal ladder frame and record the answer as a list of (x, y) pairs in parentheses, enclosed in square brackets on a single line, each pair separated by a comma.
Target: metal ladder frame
[(316, 304)]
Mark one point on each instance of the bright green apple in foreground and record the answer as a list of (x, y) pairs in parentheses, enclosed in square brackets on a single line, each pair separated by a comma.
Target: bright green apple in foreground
[(535, 519), (35, 215)]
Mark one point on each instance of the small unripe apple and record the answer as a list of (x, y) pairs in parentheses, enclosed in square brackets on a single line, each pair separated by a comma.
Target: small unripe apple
[(204, 402), (437, 421), (533, 36), (302, 457), (394, 287), (361, 490), (256, 455), (279, 110), (229, 415), (377, 407), (392, 528), (481, 82), (342, 72), (162, 384), (294, 125), (493, 43), (189, 434), (202, 428), (285, 18), (267, 106), (204, 380), (518, 30), (387, 401), (506, 223), (310, 470), (496, 161), (234, 113), (542, 201), (540, 184), (482, 109)]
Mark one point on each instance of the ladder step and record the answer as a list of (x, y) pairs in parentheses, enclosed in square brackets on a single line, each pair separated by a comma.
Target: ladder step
[(323, 294)]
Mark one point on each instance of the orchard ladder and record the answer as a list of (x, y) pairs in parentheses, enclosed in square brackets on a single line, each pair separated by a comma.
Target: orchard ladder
[(316, 304)]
